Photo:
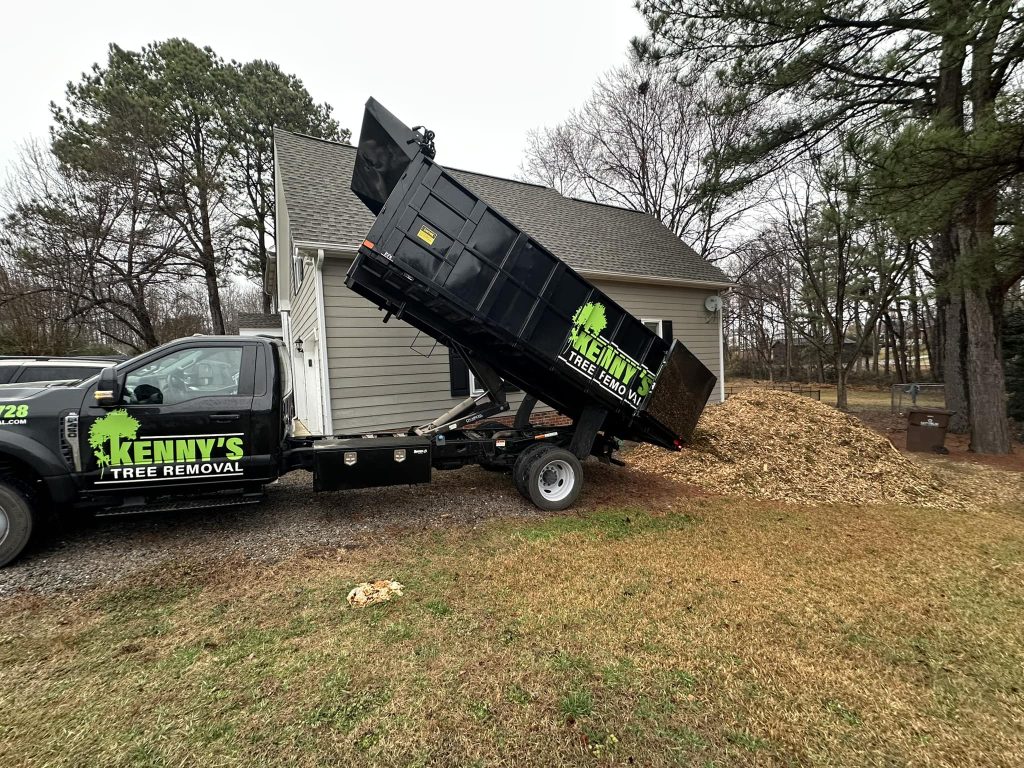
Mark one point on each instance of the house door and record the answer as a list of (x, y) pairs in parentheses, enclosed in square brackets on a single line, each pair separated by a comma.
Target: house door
[(312, 386)]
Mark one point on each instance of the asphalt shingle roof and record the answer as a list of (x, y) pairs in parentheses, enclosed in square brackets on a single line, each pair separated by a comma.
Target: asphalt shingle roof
[(322, 208), (259, 320)]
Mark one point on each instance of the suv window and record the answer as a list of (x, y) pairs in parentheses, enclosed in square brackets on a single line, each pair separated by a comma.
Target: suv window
[(7, 371), (185, 375), (56, 372)]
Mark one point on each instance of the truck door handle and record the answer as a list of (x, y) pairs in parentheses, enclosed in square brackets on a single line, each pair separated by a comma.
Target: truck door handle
[(224, 417)]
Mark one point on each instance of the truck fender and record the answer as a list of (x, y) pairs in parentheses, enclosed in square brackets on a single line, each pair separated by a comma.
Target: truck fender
[(50, 467)]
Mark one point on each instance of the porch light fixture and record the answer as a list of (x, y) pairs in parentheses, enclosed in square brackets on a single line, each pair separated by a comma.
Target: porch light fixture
[(298, 346)]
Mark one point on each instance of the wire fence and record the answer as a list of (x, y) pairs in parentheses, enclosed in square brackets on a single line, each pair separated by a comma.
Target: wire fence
[(796, 389), (917, 395)]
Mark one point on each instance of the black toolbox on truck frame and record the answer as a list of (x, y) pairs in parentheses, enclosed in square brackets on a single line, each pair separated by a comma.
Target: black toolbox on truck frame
[(340, 464), (443, 260)]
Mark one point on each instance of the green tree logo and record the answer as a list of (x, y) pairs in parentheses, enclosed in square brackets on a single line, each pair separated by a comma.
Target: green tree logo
[(116, 424), (589, 319)]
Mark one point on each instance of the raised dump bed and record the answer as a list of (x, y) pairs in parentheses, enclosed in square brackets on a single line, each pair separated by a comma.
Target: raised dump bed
[(445, 261)]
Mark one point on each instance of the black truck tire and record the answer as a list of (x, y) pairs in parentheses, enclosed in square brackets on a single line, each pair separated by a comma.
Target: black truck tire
[(554, 479), (16, 522), (521, 470)]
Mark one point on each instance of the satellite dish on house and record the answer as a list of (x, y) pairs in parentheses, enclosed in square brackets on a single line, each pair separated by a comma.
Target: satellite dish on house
[(713, 303)]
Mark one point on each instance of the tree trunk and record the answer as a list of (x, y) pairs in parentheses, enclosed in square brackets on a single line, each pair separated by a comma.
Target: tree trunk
[(267, 283), (990, 428), (954, 372), (213, 292), (208, 257), (951, 346), (886, 348), (915, 324)]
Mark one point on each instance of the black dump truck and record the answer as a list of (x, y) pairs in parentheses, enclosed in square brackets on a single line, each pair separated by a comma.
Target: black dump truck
[(207, 421)]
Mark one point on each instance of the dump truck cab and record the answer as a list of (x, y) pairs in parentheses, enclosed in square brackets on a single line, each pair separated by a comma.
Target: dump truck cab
[(197, 422)]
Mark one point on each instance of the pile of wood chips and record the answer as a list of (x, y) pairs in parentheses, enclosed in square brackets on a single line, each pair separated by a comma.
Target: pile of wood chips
[(369, 593), (766, 444)]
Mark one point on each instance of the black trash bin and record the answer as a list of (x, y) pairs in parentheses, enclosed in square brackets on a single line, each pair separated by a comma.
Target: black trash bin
[(926, 430)]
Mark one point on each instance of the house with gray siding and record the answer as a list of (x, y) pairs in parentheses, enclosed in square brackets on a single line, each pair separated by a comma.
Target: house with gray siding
[(339, 343)]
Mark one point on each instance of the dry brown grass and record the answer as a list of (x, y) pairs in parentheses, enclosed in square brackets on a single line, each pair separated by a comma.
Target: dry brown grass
[(724, 632)]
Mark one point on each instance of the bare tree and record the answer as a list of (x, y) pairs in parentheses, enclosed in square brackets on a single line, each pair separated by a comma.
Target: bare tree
[(822, 271), (643, 141), (98, 242)]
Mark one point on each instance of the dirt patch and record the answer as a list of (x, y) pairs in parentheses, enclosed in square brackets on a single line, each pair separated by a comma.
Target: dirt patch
[(293, 519), (775, 445)]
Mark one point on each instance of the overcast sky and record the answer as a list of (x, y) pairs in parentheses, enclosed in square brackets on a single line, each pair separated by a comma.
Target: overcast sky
[(480, 74)]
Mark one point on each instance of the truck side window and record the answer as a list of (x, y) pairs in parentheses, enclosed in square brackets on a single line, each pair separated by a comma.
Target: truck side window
[(185, 375)]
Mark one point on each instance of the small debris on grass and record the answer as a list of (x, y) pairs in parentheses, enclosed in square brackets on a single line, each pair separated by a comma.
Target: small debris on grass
[(369, 593), (780, 446)]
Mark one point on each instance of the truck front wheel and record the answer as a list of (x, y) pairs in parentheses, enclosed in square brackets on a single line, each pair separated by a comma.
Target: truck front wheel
[(554, 479), (16, 522)]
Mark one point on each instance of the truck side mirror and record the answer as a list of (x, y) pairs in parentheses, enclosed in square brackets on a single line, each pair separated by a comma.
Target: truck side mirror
[(109, 388)]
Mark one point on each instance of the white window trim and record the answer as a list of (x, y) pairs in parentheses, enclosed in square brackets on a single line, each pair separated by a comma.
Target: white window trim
[(659, 321), (474, 388)]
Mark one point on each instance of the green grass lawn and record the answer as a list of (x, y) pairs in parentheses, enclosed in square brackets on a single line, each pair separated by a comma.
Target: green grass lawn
[(714, 632)]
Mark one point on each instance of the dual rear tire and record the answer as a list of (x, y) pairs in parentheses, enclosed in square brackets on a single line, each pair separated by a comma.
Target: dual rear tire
[(549, 476)]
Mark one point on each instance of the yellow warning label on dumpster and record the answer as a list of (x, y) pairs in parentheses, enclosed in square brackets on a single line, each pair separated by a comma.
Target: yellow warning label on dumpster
[(427, 235)]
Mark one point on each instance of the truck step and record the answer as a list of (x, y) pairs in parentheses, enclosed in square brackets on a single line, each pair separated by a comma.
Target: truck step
[(139, 505)]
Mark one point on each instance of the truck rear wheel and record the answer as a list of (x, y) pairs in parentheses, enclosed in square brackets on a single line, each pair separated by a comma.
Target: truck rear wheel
[(521, 470), (554, 479), (16, 522)]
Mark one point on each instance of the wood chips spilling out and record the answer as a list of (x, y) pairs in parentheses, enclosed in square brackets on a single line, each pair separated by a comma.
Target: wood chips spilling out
[(369, 593), (776, 445)]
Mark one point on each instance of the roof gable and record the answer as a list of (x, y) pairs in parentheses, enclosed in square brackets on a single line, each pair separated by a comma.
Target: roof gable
[(316, 176)]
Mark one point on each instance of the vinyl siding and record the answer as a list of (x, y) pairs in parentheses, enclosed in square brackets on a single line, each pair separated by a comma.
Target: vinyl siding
[(304, 307), (377, 382)]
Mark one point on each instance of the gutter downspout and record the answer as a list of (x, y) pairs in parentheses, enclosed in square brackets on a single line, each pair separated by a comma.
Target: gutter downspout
[(721, 348), (327, 417)]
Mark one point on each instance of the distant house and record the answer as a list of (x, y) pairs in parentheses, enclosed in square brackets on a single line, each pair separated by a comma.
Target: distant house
[(258, 324), (339, 343)]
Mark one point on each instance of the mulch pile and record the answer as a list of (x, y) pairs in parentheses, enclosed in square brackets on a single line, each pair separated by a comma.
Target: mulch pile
[(776, 445)]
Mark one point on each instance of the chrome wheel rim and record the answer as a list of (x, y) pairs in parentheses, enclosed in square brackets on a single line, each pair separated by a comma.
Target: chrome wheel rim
[(556, 480), (5, 525)]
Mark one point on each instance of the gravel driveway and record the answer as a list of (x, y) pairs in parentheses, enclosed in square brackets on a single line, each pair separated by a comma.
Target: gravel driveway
[(291, 519)]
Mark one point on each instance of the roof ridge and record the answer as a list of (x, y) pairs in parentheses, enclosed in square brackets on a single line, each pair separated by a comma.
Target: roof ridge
[(332, 142), (446, 167), (607, 205), (504, 178)]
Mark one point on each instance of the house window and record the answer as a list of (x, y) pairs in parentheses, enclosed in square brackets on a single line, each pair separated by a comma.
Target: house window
[(654, 324), (298, 270)]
